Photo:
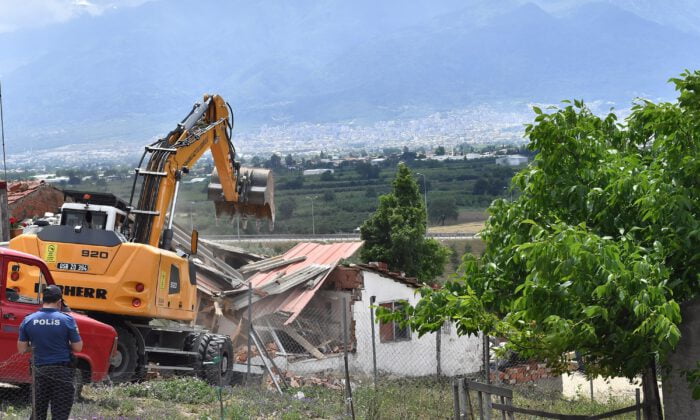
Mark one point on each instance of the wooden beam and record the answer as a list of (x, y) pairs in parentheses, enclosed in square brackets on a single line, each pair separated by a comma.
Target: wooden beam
[(303, 342)]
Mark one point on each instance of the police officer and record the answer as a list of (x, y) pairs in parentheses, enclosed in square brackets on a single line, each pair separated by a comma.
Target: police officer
[(53, 336)]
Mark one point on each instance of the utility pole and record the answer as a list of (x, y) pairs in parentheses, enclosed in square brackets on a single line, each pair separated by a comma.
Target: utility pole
[(2, 128), (313, 220), (425, 195)]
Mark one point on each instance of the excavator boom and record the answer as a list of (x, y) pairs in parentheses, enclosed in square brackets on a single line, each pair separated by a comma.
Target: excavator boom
[(234, 189)]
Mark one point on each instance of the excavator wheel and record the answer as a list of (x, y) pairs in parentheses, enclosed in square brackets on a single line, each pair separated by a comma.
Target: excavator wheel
[(216, 355), (125, 364)]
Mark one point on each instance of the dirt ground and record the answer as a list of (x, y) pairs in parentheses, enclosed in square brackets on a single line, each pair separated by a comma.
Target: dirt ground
[(468, 221), (576, 385), (468, 228)]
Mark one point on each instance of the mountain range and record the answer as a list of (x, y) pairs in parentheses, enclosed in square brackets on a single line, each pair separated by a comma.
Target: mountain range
[(132, 73)]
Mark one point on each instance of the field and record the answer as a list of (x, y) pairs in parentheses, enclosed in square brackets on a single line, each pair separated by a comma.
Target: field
[(457, 194), (191, 399)]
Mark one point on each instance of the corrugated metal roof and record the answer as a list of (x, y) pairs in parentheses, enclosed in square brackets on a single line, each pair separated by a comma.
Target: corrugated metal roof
[(294, 301), (315, 253)]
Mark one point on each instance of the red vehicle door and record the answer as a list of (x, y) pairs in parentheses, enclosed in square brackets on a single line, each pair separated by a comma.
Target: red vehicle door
[(15, 304)]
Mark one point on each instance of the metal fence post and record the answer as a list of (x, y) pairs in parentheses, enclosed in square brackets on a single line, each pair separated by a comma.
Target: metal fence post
[(437, 353), (455, 396), (221, 398), (462, 390), (33, 385), (4, 213), (250, 329), (348, 388), (372, 299), (486, 358), (487, 369)]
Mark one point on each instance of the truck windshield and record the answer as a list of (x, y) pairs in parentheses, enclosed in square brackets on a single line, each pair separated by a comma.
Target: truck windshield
[(84, 218)]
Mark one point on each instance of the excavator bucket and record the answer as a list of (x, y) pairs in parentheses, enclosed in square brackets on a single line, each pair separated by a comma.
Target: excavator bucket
[(256, 191)]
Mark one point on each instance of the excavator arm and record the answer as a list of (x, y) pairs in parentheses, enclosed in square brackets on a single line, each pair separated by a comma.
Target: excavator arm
[(234, 190)]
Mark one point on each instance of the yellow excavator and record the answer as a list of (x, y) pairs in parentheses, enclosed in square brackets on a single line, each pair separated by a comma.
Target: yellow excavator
[(116, 262)]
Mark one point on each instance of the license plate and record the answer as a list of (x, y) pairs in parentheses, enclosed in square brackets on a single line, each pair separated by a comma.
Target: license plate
[(72, 266)]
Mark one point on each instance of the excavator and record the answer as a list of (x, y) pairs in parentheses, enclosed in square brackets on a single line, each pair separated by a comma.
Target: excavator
[(117, 262)]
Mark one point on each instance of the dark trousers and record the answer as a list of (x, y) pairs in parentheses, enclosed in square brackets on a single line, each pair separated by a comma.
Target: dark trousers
[(54, 385)]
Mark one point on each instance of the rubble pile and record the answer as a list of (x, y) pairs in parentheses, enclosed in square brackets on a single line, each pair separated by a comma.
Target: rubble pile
[(296, 381), (241, 353)]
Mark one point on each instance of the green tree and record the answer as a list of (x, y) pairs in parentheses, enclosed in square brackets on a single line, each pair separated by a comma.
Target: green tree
[(443, 208), (286, 208), (407, 155), (481, 186), (328, 196), (289, 160), (440, 151), (275, 162), (598, 251), (395, 233), (327, 176), (367, 170)]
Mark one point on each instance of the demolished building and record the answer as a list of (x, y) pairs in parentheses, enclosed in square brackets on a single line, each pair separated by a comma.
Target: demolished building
[(297, 302)]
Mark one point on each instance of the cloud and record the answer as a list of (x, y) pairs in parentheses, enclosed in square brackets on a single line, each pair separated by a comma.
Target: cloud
[(21, 14)]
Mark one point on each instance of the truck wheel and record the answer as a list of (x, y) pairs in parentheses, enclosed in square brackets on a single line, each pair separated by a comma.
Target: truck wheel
[(124, 365), (211, 346)]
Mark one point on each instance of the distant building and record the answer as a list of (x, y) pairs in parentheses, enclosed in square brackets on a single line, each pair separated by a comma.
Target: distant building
[(57, 180), (308, 172), (511, 160), (377, 161), (29, 199)]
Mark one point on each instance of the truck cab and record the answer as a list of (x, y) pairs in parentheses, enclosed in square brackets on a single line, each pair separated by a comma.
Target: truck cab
[(100, 339)]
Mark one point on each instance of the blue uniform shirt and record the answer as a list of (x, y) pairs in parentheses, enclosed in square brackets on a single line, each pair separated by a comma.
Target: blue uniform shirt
[(50, 332)]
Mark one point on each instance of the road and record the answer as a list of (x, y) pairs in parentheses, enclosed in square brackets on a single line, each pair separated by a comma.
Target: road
[(334, 237)]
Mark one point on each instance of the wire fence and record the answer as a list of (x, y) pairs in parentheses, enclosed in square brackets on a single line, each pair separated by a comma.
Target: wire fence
[(332, 360)]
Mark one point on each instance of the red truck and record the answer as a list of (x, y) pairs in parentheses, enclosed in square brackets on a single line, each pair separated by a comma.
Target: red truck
[(100, 340)]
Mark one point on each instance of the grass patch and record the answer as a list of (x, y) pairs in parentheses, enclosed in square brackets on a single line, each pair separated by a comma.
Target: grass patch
[(186, 398)]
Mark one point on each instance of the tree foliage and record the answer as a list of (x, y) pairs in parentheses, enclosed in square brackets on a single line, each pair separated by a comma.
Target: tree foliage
[(395, 233), (286, 208), (442, 208), (275, 162), (367, 170), (600, 246), (289, 160)]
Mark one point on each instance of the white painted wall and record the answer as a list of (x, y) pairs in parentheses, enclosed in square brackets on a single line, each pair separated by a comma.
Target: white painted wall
[(416, 357)]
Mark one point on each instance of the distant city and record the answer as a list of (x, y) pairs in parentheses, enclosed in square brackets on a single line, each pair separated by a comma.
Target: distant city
[(474, 127)]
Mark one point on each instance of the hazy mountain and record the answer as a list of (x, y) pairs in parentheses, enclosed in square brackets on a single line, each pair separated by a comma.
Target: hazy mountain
[(134, 73), (680, 14)]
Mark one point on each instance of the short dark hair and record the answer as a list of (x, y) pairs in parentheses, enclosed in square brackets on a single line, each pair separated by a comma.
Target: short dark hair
[(51, 294)]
